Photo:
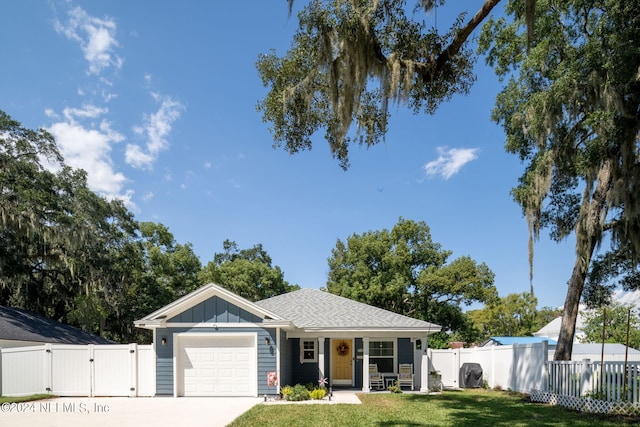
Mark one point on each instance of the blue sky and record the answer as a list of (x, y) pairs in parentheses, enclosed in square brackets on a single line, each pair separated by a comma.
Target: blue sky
[(157, 101)]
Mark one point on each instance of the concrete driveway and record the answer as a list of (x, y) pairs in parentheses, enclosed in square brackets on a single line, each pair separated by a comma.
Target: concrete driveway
[(124, 412)]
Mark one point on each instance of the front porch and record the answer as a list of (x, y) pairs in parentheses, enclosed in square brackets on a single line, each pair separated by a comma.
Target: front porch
[(345, 361)]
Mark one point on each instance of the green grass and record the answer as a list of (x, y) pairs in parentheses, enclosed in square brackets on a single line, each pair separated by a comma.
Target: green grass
[(473, 408), (8, 399)]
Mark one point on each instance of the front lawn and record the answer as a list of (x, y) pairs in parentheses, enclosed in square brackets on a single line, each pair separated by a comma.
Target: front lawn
[(473, 408), (9, 399)]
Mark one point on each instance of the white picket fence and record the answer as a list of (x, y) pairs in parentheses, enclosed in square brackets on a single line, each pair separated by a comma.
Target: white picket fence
[(78, 370), (609, 387), (610, 381)]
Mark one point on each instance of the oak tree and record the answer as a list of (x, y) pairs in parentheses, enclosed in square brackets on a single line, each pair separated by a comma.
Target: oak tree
[(571, 111)]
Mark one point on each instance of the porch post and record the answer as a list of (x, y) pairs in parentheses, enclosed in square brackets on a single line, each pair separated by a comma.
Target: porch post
[(321, 372), (366, 387), (424, 366)]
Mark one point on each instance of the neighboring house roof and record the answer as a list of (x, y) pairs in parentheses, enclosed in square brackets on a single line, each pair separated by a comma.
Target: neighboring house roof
[(21, 325), (313, 309), (597, 349), (517, 340), (552, 329)]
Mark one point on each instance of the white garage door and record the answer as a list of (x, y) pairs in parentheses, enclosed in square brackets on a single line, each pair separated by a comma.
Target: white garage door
[(217, 366)]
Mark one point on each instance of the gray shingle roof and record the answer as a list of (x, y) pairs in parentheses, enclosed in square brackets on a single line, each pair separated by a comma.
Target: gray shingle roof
[(312, 308), (21, 325)]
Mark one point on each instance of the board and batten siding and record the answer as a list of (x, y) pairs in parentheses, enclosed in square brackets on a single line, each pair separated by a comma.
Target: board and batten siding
[(215, 310)]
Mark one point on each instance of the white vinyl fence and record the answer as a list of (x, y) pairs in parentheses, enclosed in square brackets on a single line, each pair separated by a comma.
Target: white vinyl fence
[(78, 370), (517, 367)]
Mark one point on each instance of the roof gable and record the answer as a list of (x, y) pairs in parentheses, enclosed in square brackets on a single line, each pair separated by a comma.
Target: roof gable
[(314, 309), (215, 310), (21, 325), (173, 310)]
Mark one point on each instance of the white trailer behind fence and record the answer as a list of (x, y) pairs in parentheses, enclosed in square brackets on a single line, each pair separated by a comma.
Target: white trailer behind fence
[(78, 370)]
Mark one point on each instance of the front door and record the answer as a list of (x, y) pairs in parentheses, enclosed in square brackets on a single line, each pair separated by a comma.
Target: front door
[(341, 362)]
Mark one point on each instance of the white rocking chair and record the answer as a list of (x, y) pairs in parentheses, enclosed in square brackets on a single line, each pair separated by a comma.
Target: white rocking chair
[(375, 377), (405, 375)]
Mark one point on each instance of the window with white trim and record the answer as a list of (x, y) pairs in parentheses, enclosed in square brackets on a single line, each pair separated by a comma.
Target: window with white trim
[(383, 354), (308, 351)]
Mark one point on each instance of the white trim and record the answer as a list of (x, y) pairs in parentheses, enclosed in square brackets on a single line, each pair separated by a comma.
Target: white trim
[(321, 357), (176, 347), (277, 359), (366, 386), (267, 325), (347, 334)]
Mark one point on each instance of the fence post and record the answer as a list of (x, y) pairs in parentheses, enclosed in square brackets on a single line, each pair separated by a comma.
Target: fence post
[(48, 371), (544, 375), (585, 377), (133, 369)]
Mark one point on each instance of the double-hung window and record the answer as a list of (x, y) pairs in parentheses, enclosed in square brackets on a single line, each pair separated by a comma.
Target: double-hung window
[(383, 354), (308, 351)]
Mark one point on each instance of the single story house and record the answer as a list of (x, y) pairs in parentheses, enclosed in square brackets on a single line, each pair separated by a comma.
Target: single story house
[(213, 342), (20, 328)]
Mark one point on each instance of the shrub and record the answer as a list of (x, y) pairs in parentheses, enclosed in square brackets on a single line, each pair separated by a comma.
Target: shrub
[(299, 393), (286, 392), (395, 388), (318, 393)]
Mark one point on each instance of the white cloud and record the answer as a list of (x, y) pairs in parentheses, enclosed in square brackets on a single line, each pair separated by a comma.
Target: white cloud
[(88, 111), (97, 38), (89, 148), (449, 162), (148, 196), (155, 129)]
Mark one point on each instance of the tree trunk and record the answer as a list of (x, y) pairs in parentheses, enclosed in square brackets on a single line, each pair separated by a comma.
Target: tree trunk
[(588, 235)]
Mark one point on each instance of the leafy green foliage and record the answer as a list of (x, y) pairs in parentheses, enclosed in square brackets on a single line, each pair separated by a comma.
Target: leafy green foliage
[(514, 315), (318, 393), (247, 272), (349, 59), (404, 271), (298, 393), (570, 112), (614, 319), (71, 255)]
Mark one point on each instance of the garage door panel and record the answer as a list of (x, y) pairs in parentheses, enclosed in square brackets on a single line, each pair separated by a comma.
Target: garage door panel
[(217, 366)]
